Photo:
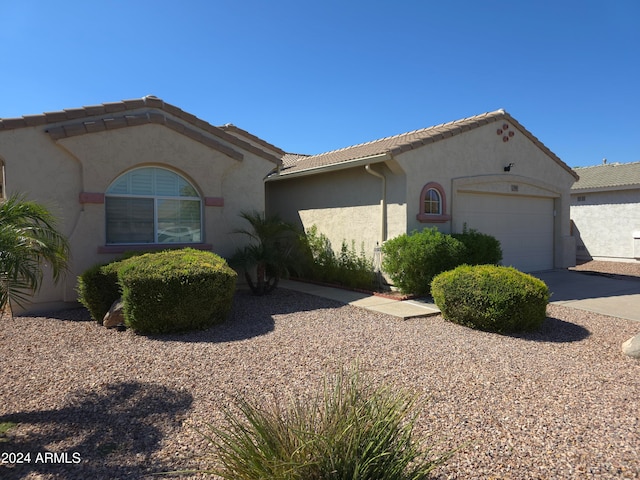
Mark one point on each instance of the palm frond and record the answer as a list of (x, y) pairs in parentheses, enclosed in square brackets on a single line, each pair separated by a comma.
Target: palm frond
[(29, 240)]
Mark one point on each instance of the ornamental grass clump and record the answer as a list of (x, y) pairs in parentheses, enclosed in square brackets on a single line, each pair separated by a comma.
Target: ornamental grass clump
[(491, 298), (351, 431)]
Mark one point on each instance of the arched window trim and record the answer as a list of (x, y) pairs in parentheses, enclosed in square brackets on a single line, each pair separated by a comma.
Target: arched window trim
[(156, 199), (442, 217), (3, 188)]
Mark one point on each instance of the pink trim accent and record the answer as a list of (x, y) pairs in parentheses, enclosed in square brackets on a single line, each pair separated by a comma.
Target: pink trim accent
[(214, 201), (430, 218), (151, 247), (90, 197)]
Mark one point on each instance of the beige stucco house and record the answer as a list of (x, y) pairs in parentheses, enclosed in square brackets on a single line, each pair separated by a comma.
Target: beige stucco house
[(143, 174), (605, 210), (487, 172), (136, 174)]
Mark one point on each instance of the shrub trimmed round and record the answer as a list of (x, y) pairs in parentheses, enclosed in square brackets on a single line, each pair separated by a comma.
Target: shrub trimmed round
[(411, 261), (98, 288), (176, 291), (491, 298)]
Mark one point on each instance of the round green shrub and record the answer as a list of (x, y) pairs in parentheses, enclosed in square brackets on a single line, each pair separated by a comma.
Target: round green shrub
[(411, 261), (481, 248), (98, 288), (491, 298), (176, 291)]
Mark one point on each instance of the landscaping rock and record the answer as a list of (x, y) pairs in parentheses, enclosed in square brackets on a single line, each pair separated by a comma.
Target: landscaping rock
[(632, 347), (115, 316)]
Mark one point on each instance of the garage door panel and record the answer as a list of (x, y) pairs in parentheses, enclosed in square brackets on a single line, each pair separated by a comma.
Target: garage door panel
[(523, 225)]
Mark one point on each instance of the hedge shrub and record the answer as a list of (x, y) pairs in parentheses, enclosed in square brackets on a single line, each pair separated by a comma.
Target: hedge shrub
[(491, 298), (322, 264), (481, 248), (411, 261), (98, 288), (176, 290)]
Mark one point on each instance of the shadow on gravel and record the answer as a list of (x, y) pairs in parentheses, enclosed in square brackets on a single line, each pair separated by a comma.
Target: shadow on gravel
[(79, 314), (555, 330), (109, 432), (252, 316)]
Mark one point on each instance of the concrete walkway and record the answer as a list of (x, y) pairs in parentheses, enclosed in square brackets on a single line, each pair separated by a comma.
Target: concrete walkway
[(401, 309), (607, 295), (616, 296)]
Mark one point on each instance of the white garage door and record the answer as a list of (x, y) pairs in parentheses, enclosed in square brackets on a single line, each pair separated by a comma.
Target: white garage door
[(524, 226)]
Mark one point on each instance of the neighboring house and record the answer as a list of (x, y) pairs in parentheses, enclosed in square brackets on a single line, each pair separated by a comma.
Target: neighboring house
[(605, 211), (137, 174), (485, 172)]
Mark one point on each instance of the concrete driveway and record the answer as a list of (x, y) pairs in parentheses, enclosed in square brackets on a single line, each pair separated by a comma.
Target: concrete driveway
[(616, 296)]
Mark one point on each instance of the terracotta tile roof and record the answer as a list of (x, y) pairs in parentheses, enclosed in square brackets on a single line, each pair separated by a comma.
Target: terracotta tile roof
[(240, 133), (610, 176), (407, 141), (291, 159), (149, 109)]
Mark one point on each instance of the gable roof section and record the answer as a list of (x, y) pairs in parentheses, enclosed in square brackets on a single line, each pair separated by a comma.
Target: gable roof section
[(128, 113), (612, 176), (407, 141), (260, 143)]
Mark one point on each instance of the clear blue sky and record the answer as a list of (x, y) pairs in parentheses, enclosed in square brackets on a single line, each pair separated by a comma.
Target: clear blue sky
[(313, 76)]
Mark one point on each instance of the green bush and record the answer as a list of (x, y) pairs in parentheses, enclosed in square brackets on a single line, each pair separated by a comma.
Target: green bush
[(176, 290), (411, 261), (346, 268), (481, 248), (491, 298), (352, 431), (98, 288)]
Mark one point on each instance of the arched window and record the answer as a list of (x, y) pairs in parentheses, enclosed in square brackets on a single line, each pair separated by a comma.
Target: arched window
[(152, 205), (433, 204)]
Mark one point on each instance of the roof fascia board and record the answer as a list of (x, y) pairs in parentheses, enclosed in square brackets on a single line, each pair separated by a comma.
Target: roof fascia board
[(611, 188), (152, 106), (358, 162)]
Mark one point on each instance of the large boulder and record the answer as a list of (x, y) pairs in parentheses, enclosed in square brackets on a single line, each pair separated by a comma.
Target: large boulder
[(115, 316), (632, 347)]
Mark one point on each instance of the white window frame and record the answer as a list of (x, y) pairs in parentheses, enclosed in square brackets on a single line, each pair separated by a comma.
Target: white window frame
[(156, 199)]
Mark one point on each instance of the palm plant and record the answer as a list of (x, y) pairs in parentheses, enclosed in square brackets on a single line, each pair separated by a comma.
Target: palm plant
[(269, 254), (28, 240)]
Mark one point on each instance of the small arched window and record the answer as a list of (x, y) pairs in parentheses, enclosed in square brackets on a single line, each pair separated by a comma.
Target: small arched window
[(433, 204), (152, 205)]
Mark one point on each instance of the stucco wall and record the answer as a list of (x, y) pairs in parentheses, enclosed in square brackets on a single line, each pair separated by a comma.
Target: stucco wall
[(604, 223), (344, 205), (55, 173)]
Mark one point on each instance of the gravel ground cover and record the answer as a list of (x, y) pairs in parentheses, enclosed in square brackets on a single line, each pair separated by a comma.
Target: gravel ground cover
[(614, 268), (560, 403)]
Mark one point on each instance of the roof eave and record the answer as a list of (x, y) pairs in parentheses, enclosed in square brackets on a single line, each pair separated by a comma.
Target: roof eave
[(610, 188), (357, 162)]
